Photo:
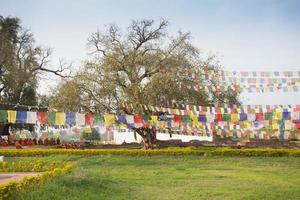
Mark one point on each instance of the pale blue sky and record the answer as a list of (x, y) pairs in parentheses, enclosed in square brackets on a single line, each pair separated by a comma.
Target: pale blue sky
[(245, 35)]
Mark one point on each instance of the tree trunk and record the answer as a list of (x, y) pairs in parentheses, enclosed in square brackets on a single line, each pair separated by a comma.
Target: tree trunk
[(148, 135)]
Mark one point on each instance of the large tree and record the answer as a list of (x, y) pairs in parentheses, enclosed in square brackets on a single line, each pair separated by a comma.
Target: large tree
[(146, 66), (21, 61)]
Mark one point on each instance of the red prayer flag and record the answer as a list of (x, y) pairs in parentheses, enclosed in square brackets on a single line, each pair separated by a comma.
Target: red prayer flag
[(218, 117), (42, 117), (259, 116), (89, 119), (177, 118), (138, 119)]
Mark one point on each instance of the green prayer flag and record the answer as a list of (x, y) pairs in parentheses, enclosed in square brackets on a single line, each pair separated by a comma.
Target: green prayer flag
[(185, 118), (51, 118), (268, 116), (146, 118), (98, 119), (226, 117), (3, 116)]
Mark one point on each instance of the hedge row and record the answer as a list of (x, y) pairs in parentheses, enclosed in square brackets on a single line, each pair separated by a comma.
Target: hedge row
[(14, 188), (29, 166), (140, 152)]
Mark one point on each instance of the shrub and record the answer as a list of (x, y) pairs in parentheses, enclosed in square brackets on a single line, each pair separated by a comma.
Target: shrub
[(12, 189), (29, 166), (141, 152)]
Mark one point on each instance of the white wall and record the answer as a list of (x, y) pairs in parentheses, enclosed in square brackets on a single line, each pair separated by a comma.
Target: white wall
[(128, 137)]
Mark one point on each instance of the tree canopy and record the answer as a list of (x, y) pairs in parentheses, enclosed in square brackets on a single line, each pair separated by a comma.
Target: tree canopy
[(21, 61), (141, 66)]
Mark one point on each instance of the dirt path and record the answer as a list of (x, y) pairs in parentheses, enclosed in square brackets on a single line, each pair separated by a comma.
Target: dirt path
[(10, 176)]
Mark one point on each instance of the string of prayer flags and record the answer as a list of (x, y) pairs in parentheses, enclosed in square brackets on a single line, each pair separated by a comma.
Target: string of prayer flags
[(232, 122), (260, 81), (261, 73)]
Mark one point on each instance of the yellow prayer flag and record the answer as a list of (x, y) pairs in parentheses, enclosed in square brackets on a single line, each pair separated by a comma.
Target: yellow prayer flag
[(60, 118), (234, 117), (278, 115), (194, 118), (11, 116), (109, 119), (154, 118)]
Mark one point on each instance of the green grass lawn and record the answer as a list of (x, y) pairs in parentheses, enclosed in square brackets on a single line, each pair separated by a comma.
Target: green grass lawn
[(173, 177)]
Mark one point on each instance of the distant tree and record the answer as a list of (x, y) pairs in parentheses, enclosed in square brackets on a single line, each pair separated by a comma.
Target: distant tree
[(20, 63)]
